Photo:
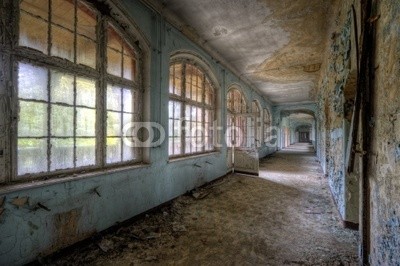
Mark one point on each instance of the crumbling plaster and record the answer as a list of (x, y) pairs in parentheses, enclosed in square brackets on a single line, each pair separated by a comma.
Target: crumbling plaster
[(384, 167), (277, 45)]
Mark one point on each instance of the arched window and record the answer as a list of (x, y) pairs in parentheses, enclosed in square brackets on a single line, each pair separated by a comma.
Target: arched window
[(236, 102), (191, 109), (267, 125), (236, 121), (255, 137), (77, 86)]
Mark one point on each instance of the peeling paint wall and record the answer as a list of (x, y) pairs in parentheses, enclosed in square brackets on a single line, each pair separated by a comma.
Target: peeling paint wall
[(333, 116), (39, 218), (333, 109), (385, 163)]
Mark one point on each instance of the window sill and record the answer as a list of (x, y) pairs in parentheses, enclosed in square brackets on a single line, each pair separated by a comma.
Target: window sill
[(24, 185), (192, 156)]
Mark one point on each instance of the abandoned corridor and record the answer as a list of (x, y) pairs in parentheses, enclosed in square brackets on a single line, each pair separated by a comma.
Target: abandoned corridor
[(283, 217)]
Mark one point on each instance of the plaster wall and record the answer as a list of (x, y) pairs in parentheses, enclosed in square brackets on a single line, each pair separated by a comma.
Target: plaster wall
[(384, 160), (385, 157)]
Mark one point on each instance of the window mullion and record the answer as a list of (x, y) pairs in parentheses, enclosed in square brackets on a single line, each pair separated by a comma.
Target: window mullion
[(49, 77), (183, 109), (101, 115), (75, 85), (49, 29), (203, 115), (75, 121)]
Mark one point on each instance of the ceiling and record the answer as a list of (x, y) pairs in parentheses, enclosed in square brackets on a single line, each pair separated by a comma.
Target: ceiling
[(278, 45)]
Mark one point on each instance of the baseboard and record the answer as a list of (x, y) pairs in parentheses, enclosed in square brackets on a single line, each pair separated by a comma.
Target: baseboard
[(350, 225)]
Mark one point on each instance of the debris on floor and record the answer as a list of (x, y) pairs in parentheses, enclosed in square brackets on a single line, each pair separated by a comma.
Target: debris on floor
[(284, 217)]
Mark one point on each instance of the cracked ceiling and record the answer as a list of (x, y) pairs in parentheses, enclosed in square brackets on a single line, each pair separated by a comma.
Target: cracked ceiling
[(276, 44)]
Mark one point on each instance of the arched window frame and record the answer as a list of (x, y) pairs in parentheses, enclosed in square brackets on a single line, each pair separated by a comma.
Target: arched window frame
[(186, 76), (256, 111), (48, 60), (237, 109), (267, 125)]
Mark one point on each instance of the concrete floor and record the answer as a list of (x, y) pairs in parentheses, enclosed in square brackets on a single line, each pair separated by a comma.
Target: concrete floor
[(284, 217)]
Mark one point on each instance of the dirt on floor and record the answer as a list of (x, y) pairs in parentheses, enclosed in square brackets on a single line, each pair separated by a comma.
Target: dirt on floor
[(284, 217)]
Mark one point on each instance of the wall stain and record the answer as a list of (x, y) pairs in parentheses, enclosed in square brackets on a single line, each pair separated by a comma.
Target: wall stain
[(20, 202)]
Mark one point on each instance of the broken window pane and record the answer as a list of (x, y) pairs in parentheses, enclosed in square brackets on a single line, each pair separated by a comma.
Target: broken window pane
[(113, 98), (127, 100), (86, 51), (32, 82), (32, 119), (86, 24), (62, 88), (36, 7), (113, 150), (62, 43), (33, 32), (85, 151), (114, 62), (62, 121), (32, 156), (63, 13), (62, 154), (85, 92), (113, 124), (85, 122)]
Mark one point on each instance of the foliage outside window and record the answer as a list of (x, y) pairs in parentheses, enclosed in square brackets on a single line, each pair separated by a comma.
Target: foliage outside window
[(191, 110), (77, 93)]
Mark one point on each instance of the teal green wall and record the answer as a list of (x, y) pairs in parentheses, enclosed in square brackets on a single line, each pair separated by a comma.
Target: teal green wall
[(75, 210)]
